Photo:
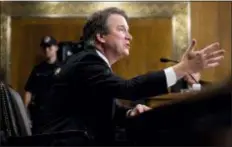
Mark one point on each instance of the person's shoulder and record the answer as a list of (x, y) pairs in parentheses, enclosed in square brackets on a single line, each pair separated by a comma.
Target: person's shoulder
[(87, 55), (79, 61)]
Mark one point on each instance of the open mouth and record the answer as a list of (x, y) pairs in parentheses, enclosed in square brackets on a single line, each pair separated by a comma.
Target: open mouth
[(128, 45)]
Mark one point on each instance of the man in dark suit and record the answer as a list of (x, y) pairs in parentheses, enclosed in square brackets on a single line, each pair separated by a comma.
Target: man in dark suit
[(92, 86)]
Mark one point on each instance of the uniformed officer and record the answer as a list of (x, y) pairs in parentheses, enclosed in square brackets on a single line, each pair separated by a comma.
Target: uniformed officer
[(41, 78)]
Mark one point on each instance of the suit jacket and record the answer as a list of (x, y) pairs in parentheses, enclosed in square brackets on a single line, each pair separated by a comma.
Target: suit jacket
[(88, 101)]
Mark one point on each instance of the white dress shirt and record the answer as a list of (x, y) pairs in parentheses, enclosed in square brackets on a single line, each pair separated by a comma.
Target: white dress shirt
[(171, 77)]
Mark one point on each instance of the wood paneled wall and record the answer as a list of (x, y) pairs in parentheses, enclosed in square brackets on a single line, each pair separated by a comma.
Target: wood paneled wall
[(211, 21)]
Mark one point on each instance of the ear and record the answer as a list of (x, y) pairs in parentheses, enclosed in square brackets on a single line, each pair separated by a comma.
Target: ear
[(100, 38)]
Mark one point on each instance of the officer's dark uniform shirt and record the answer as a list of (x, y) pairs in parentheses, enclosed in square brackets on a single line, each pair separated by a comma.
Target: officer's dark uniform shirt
[(40, 81)]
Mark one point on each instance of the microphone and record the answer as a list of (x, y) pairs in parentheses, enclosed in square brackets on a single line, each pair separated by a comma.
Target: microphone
[(165, 60)]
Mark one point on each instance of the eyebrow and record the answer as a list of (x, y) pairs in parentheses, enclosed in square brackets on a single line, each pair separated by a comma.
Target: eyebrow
[(122, 26)]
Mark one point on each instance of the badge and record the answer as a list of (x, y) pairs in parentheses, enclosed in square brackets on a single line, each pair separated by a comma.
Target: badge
[(57, 71)]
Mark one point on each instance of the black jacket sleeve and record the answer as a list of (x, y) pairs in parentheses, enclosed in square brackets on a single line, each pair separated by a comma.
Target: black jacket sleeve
[(120, 114), (180, 84), (94, 72)]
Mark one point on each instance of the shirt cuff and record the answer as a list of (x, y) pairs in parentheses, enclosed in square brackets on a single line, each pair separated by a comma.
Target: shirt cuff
[(170, 76)]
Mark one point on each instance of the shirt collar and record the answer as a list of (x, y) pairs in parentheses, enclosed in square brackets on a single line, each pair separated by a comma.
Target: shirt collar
[(103, 57)]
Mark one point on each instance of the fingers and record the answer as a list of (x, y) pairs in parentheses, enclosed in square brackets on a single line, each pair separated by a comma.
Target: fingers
[(145, 108), (139, 109), (192, 46), (212, 65), (216, 59), (214, 54), (214, 62), (210, 48), (213, 59), (142, 108)]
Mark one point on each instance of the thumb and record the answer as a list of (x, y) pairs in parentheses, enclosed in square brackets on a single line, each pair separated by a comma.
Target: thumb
[(192, 46)]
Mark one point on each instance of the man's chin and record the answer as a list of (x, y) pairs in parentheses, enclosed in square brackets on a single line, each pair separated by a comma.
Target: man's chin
[(126, 52)]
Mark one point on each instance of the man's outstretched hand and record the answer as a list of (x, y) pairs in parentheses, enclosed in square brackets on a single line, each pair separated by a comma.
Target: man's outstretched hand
[(195, 61)]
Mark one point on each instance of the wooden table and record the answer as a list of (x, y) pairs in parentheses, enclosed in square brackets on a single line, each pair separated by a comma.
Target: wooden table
[(167, 98), (159, 100)]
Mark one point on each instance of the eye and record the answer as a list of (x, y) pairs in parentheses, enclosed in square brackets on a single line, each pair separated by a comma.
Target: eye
[(122, 29)]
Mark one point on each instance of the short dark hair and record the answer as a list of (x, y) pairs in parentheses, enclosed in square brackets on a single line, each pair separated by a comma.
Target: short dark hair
[(97, 22)]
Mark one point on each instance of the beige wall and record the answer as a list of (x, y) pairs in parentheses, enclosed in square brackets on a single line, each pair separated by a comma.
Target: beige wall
[(211, 21)]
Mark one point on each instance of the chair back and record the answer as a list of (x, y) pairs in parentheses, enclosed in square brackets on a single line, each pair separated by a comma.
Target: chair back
[(15, 116), (8, 117), (21, 113)]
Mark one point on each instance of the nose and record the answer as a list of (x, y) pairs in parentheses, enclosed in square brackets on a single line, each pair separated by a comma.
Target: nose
[(129, 36)]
